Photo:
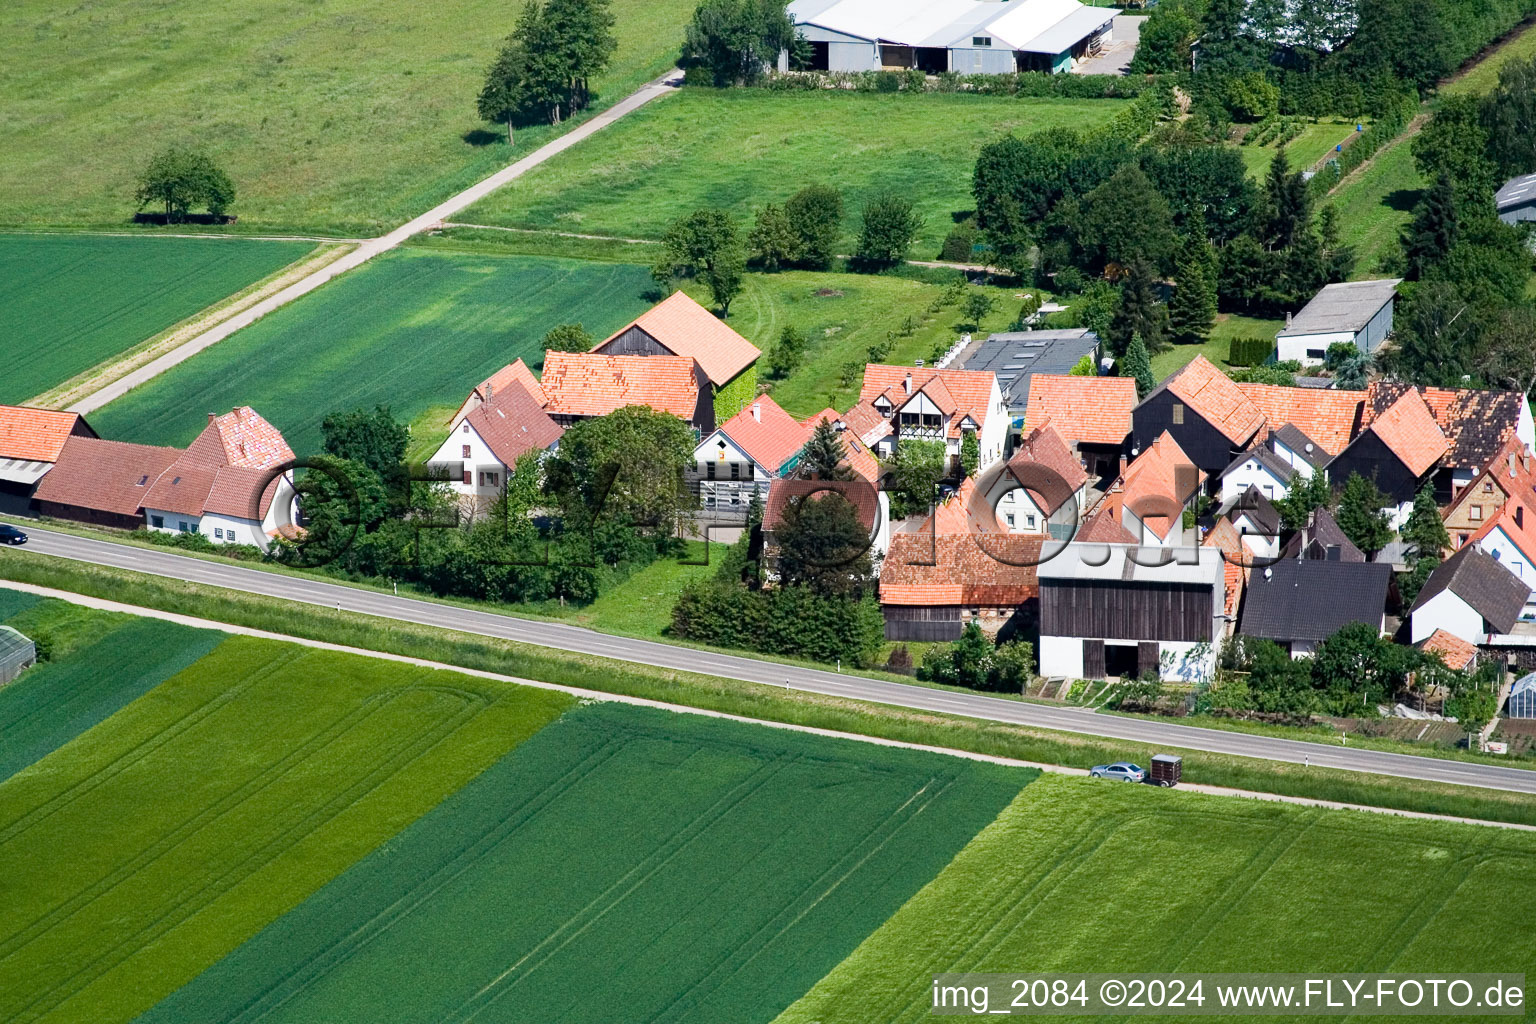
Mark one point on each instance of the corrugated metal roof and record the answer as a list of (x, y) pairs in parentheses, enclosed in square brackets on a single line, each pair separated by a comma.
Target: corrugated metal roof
[(1516, 192), (1078, 561), (1034, 26), (1066, 33), (1342, 307)]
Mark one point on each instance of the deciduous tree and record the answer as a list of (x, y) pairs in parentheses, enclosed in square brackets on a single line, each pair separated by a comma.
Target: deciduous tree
[(891, 222), (180, 179), (568, 338), (815, 215), (1360, 514), (734, 42), (704, 245)]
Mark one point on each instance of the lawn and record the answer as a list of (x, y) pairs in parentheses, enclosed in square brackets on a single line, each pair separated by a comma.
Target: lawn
[(1483, 76), (69, 302), (101, 661), (145, 849), (345, 115), (412, 329), (1217, 346), (1081, 875), (641, 605), (739, 149), (677, 867), (843, 315), (1377, 204)]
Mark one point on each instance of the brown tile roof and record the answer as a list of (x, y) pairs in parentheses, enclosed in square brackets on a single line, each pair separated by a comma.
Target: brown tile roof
[(226, 470), (511, 375), (513, 421), (995, 571), (37, 435), (1092, 409), (589, 384), (688, 329), (960, 392), (1329, 418), (1043, 446), (864, 497), (1162, 471), (109, 476), (1453, 650), (1476, 424), (1217, 398), (1104, 527), (767, 433), (1409, 430)]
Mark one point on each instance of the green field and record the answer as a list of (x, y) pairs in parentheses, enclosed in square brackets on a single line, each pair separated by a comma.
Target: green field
[(411, 329), (1082, 875), (842, 315), (161, 839), (1377, 204), (1314, 142), (68, 302), (344, 115), (739, 149), (115, 659), (1484, 75), (624, 864)]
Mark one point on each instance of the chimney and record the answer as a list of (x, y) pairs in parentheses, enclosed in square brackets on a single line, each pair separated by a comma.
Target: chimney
[(1520, 516), (906, 385), (757, 411), (1287, 319), (1511, 463), (211, 418), (490, 389)]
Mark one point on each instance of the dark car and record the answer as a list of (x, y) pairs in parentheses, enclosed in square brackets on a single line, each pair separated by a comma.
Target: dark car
[(11, 535)]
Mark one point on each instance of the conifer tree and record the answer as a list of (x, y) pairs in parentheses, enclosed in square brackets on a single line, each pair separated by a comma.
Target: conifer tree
[(1138, 364)]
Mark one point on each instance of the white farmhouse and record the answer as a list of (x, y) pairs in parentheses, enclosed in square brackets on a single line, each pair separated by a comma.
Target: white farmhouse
[(1469, 595), (936, 405), (502, 419)]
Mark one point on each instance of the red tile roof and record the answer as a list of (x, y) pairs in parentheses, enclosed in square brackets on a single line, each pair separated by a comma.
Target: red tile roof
[(1476, 423), (1096, 410), (513, 422), (241, 492), (1224, 536), (37, 435), (1217, 398), (1329, 417), (865, 420), (248, 440), (861, 459), (767, 433), (686, 328), (961, 393), (994, 571), (1163, 472), (109, 476), (589, 384), (1453, 650), (864, 498), (227, 470), (1409, 430), (1043, 446), (1104, 526)]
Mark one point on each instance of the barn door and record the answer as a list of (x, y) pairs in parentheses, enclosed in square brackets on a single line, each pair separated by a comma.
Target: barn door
[(1146, 657), (1093, 659)]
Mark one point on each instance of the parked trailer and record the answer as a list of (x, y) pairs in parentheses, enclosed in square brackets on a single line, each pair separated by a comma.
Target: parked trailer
[(1167, 769)]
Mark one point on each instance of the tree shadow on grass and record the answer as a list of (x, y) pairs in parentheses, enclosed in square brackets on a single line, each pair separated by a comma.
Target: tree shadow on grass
[(1403, 200), (481, 137)]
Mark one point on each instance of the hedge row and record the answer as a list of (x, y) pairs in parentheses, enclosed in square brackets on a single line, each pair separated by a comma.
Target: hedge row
[(1023, 84), (1250, 351), (788, 621)]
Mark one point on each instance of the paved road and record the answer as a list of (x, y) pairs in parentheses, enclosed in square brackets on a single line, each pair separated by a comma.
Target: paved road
[(372, 247), (574, 638)]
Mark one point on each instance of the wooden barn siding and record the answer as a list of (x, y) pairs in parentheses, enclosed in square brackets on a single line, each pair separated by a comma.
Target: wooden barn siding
[(704, 411), (926, 623), (1372, 459), (1202, 442), (1116, 610), (635, 342)]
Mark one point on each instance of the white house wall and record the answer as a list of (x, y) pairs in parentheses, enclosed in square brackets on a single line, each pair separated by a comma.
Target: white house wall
[(1448, 612), (1298, 346), (1061, 656), (478, 462), (1296, 460), (1253, 473)]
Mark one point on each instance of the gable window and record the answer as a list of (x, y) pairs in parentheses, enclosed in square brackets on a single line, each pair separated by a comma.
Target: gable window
[(1178, 414), (1029, 521), (1010, 519), (469, 478), (1475, 513), (1487, 486), (465, 428), (709, 468), (981, 40), (466, 452)]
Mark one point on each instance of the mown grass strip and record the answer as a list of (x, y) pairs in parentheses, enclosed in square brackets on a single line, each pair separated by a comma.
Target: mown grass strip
[(750, 700), (1084, 875), (624, 863), (147, 848)]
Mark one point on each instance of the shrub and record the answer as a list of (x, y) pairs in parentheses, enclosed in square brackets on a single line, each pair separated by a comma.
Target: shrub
[(1250, 351), (959, 244)]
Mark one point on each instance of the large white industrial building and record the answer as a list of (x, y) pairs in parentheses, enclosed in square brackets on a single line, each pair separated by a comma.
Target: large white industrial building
[(964, 36)]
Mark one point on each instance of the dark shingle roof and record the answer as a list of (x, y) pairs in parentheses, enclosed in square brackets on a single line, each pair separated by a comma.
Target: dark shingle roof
[(1296, 440), (1477, 578), (1315, 540), (1268, 459), (1016, 356), (1311, 600), (1258, 508)]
